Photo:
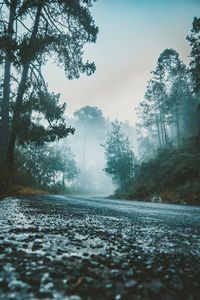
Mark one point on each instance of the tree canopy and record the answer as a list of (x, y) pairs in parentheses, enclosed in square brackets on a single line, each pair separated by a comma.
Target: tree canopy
[(194, 40), (168, 110), (31, 32)]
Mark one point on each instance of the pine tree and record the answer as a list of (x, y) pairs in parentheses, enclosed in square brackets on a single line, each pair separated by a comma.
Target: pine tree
[(168, 107), (120, 159), (194, 40), (41, 29)]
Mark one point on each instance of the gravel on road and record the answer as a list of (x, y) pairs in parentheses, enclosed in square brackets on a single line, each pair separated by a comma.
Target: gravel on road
[(84, 248)]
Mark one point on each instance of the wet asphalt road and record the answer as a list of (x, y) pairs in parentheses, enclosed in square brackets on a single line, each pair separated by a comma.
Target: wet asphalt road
[(73, 248)]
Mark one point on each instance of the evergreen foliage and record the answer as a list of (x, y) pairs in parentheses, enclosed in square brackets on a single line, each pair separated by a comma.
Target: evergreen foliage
[(169, 109), (169, 168), (194, 40), (172, 170), (120, 159), (32, 31), (50, 167)]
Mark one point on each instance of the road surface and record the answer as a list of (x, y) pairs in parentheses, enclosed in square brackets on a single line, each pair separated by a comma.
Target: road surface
[(73, 248)]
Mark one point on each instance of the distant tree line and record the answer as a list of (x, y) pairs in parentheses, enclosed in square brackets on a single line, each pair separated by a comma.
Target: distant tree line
[(168, 112), (168, 165), (49, 167), (92, 129)]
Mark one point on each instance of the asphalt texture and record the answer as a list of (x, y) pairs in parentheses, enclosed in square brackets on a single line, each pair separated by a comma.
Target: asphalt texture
[(76, 248)]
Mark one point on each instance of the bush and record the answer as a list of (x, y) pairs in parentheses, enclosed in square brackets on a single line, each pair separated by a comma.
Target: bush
[(174, 174), (190, 192)]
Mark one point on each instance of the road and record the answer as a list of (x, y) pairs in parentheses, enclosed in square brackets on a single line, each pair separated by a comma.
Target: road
[(76, 248)]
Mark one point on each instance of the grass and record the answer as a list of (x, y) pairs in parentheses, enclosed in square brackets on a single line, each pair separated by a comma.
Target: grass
[(15, 190)]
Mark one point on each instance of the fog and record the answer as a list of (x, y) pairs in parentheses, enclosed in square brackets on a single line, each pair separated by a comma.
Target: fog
[(91, 131)]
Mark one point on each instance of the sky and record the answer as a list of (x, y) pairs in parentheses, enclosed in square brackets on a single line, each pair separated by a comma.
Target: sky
[(132, 35)]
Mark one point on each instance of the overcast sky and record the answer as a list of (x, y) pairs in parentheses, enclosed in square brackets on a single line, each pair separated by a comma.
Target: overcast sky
[(132, 34)]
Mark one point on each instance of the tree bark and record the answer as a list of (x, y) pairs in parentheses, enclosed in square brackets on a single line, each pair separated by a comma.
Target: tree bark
[(4, 128), (177, 123), (165, 133), (16, 115), (162, 132), (158, 130), (19, 99)]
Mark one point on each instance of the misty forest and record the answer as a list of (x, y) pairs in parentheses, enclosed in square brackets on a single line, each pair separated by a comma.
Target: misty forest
[(43, 149), (99, 150)]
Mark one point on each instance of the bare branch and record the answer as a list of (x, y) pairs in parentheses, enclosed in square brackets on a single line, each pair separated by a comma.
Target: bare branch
[(56, 21), (15, 79), (53, 22), (24, 26), (39, 73)]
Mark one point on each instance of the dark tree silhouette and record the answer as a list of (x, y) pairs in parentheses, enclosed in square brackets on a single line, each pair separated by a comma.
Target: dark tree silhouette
[(194, 40), (35, 31)]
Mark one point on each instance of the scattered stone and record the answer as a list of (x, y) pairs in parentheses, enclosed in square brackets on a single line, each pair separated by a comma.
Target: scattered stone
[(131, 283), (89, 256), (109, 286)]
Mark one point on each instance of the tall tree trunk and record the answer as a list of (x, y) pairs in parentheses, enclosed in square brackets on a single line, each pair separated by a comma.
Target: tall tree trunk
[(4, 128), (20, 94), (165, 141), (162, 132), (177, 123), (158, 130), (165, 133), (16, 115), (63, 180)]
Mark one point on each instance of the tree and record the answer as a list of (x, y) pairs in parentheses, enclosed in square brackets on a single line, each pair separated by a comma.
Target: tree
[(43, 28), (194, 40), (170, 69), (90, 123), (168, 108), (47, 166), (8, 45), (152, 111), (120, 159), (90, 114), (91, 128), (173, 173), (146, 149)]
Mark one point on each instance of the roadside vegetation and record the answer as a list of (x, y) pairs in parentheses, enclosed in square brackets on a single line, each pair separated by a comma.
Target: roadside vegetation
[(168, 163)]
